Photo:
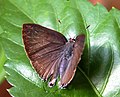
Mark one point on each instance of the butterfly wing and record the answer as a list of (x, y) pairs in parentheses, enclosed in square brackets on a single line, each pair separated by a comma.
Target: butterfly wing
[(44, 48), (72, 65)]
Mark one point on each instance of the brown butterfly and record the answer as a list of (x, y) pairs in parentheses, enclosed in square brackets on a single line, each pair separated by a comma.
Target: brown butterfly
[(51, 54)]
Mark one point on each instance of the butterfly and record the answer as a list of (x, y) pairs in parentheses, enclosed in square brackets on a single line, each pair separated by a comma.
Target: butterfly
[(51, 54)]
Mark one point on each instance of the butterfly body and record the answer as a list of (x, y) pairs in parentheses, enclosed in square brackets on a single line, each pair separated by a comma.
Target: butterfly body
[(51, 54), (67, 54)]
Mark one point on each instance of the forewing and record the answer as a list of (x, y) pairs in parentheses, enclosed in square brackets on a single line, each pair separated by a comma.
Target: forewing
[(72, 65), (44, 48)]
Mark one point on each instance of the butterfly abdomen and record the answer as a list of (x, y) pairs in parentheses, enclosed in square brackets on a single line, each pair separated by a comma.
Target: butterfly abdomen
[(67, 54)]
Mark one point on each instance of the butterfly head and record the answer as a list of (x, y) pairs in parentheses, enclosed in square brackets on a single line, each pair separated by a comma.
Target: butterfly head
[(71, 40)]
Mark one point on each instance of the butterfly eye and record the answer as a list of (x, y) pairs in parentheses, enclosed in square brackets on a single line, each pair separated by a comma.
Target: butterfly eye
[(73, 39)]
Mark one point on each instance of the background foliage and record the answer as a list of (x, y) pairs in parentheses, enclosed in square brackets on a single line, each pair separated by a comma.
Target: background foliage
[(98, 71)]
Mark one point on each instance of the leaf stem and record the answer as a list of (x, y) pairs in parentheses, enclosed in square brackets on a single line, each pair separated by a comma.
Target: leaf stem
[(109, 72), (93, 86)]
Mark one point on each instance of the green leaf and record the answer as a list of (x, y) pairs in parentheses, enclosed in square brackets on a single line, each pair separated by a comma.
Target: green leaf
[(2, 62), (98, 72)]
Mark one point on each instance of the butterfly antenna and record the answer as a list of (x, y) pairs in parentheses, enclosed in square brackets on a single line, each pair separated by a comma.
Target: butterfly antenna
[(87, 26), (74, 37), (68, 34), (59, 21)]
